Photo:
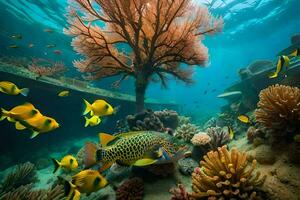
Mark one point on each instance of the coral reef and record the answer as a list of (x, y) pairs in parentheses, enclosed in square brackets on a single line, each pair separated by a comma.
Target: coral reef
[(219, 137), (279, 111), (224, 175), (132, 189), (25, 192), (183, 120), (186, 131), (187, 165), (169, 118), (23, 174), (145, 120), (150, 120), (179, 193)]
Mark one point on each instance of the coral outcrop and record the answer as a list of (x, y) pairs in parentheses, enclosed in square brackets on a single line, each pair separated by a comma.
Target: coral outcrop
[(145, 120), (279, 111), (225, 175), (183, 120), (200, 139), (132, 189), (219, 137), (169, 118), (186, 131)]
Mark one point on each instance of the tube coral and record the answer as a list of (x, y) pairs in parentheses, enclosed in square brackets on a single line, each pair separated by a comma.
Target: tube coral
[(279, 110), (225, 175)]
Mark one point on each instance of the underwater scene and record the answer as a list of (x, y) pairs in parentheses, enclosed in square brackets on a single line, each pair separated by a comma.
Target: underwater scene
[(150, 100)]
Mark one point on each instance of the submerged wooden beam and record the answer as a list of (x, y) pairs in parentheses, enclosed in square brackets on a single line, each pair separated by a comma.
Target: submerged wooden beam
[(68, 83)]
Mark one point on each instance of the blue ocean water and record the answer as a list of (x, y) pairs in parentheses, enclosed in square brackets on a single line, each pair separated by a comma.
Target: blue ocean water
[(254, 29)]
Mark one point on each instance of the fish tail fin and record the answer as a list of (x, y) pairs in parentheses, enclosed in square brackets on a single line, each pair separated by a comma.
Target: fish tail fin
[(24, 91), (56, 165), (87, 121), (3, 114), (90, 154), (34, 134), (70, 191), (88, 107)]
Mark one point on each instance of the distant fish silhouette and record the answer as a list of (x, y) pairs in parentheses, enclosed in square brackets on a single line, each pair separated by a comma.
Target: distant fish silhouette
[(17, 36), (48, 30), (57, 52)]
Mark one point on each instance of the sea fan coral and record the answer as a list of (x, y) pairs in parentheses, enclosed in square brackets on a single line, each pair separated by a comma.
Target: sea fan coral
[(43, 67), (186, 131), (22, 175), (279, 110), (25, 192), (224, 175), (219, 137), (132, 189)]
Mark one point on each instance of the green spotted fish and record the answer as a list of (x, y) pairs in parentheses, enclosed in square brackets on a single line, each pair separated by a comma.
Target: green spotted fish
[(139, 148)]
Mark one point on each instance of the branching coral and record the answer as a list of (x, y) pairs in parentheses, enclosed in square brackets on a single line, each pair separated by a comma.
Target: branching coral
[(219, 137), (132, 189), (183, 120), (22, 175), (225, 175), (186, 131), (179, 193), (279, 110)]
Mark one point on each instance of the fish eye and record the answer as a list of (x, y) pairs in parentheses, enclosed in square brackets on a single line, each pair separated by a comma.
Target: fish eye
[(106, 106)]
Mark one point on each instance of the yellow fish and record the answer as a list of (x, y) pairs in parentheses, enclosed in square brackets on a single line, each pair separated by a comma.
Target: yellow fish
[(282, 61), (99, 108), (13, 46), (17, 36), (68, 162), (64, 93), (86, 181), (38, 124), (93, 121), (230, 132), (295, 53), (245, 119), (51, 45), (11, 89), (21, 112)]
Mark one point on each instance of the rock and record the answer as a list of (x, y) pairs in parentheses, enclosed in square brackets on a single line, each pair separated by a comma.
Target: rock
[(264, 155), (187, 165)]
